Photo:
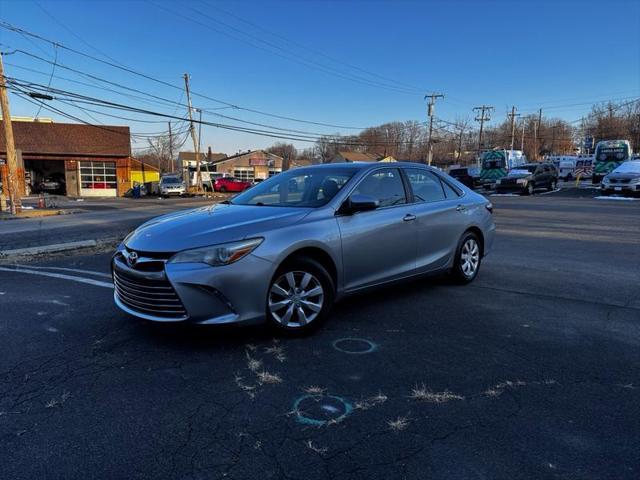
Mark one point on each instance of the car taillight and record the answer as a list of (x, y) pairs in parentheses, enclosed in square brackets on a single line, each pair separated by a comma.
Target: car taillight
[(489, 206)]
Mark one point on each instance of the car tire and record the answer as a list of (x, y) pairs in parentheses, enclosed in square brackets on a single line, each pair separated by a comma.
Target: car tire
[(223, 189), (468, 259), (530, 189), (299, 287), (552, 185)]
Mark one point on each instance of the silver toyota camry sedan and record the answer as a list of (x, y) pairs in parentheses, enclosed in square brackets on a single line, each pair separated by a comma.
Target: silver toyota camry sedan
[(285, 250)]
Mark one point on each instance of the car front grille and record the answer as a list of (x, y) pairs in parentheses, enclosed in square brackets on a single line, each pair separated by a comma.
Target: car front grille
[(150, 297)]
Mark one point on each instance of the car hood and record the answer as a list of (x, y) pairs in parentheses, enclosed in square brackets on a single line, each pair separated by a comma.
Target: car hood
[(623, 176), (205, 226)]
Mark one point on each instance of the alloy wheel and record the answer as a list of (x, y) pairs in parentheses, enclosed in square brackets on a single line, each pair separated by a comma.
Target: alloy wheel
[(296, 299), (469, 257)]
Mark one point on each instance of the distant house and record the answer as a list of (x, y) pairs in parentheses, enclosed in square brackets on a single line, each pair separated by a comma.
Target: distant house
[(249, 165), (189, 159), (342, 157)]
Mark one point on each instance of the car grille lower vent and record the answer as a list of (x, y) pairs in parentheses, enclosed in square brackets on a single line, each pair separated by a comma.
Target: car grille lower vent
[(150, 297)]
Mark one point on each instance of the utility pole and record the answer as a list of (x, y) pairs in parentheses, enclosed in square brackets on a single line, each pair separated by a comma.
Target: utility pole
[(432, 104), (12, 157), (192, 128), (170, 149), (512, 116), (535, 140), (522, 139), (460, 143), (485, 115)]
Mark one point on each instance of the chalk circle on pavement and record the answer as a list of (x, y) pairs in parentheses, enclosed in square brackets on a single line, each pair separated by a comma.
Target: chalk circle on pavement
[(319, 410), (356, 346)]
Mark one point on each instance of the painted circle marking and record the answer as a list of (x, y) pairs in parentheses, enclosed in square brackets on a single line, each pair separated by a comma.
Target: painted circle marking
[(319, 410), (354, 346)]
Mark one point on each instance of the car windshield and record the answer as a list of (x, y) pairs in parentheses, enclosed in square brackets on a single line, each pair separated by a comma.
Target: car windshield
[(523, 170), (302, 188), (171, 180), (456, 172), (629, 167)]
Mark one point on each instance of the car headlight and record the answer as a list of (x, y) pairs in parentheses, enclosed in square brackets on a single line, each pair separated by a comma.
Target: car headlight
[(605, 180), (634, 181), (522, 181), (217, 255)]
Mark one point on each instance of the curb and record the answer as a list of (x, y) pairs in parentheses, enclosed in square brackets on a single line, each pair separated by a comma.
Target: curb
[(57, 247)]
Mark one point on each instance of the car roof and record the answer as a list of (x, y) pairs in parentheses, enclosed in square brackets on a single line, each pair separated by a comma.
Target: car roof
[(363, 165)]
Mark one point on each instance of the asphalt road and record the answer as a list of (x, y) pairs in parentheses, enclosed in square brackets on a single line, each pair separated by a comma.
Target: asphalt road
[(95, 220), (533, 371)]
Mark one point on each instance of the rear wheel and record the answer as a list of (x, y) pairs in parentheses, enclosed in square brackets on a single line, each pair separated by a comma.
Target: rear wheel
[(300, 296), (223, 189), (468, 259)]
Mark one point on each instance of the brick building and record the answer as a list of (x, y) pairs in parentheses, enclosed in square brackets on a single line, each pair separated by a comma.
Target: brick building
[(86, 160)]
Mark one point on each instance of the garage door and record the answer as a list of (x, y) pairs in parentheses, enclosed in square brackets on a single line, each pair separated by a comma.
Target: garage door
[(98, 179)]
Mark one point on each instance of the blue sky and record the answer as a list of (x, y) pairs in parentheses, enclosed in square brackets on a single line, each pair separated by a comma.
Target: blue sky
[(273, 56)]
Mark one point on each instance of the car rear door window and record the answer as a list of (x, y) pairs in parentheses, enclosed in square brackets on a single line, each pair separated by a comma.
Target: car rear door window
[(386, 186), (449, 191), (425, 185)]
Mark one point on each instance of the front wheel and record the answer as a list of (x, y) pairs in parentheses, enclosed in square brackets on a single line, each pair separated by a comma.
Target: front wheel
[(552, 185), (300, 296), (530, 189), (468, 259)]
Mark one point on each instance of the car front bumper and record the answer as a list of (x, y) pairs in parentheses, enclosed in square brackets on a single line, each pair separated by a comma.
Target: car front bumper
[(628, 189), (511, 187), (193, 292)]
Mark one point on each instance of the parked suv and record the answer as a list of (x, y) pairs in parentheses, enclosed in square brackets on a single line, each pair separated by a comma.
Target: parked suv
[(171, 185), (528, 178)]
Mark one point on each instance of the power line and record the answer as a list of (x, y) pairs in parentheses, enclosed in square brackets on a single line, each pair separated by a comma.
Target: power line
[(302, 138), (287, 54), (304, 47), (8, 26)]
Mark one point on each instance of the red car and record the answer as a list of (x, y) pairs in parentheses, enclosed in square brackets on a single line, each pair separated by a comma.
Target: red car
[(230, 184)]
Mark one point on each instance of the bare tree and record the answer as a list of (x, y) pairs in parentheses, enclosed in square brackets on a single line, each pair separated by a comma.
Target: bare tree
[(158, 153), (284, 150)]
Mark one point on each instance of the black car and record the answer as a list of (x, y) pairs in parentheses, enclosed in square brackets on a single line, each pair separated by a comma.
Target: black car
[(466, 175), (529, 177)]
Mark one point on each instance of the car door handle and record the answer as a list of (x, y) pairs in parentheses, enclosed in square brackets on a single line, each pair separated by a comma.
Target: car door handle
[(409, 218), (461, 208)]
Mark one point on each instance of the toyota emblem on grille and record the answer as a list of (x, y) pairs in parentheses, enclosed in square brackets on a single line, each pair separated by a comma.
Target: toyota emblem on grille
[(132, 259)]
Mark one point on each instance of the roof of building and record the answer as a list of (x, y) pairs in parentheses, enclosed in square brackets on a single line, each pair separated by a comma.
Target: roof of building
[(359, 156), (191, 156), (249, 152), (70, 139)]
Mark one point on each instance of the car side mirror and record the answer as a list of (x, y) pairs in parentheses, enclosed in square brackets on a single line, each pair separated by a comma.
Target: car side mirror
[(360, 203)]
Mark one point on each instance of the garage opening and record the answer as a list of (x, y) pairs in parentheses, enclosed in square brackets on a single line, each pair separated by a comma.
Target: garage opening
[(45, 176)]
